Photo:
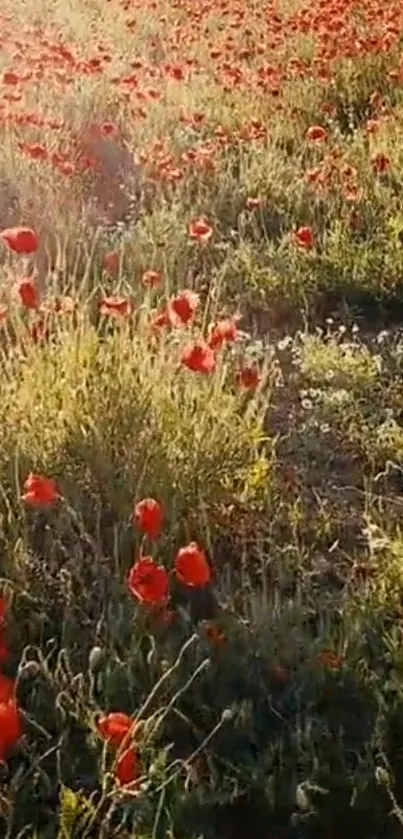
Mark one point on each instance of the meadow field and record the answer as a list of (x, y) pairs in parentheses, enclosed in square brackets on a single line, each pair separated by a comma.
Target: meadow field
[(201, 419)]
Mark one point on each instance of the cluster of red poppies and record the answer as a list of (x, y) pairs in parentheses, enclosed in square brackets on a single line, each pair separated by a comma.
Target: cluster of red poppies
[(118, 730), (10, 716), (198, 355)]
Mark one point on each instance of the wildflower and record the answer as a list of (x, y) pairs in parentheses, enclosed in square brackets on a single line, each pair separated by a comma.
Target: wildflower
[(128, 767), (191, 566), (20, 239), (199, 357), (116, 306), (149, 582), (29, 293), (222, 332), (253, 203), (148, 516), (158, 320), (381, 163), (152, 279), (304, 237), (10, 726), (115, 727), (110, 262), (249, 377), (201, 230), (182, 308), (316, 133), (40, 491)]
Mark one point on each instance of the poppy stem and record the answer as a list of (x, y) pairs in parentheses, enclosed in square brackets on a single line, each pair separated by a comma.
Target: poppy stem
[(203, 666), (166, 676)]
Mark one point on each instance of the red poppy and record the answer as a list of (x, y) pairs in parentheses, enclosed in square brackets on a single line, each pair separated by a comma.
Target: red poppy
[(253, 203), (199, 357), (115, 727), (191, 566), (316, 133), (110, 262), (158, 320), (249, 377), (128, 767), (108, 129), (148, 516), (29, 293), (304, 237), (149, 582), (40, 491), (222, 332), (10, 726), (152, 279), (20, 239), (201, 230), (116, 306), (182, 307), (381, 162)]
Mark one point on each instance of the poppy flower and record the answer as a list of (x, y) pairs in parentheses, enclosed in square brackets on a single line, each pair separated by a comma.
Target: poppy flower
[(191, 566), (304, 237), (201, 230), (115, 727), (40, 491), (29, 293), (152, 279), (10, 726), (149, 582), (128, 767), (158, 320), (316, 133), (20, 239), (249, 377), (381, 163), (253, 203), (148, 516), (110, 262), (116, 306), (182, 307), (198, 357), (222, 332)]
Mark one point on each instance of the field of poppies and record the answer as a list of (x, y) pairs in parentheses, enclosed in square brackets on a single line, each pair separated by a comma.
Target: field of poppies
[(201, 419)]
